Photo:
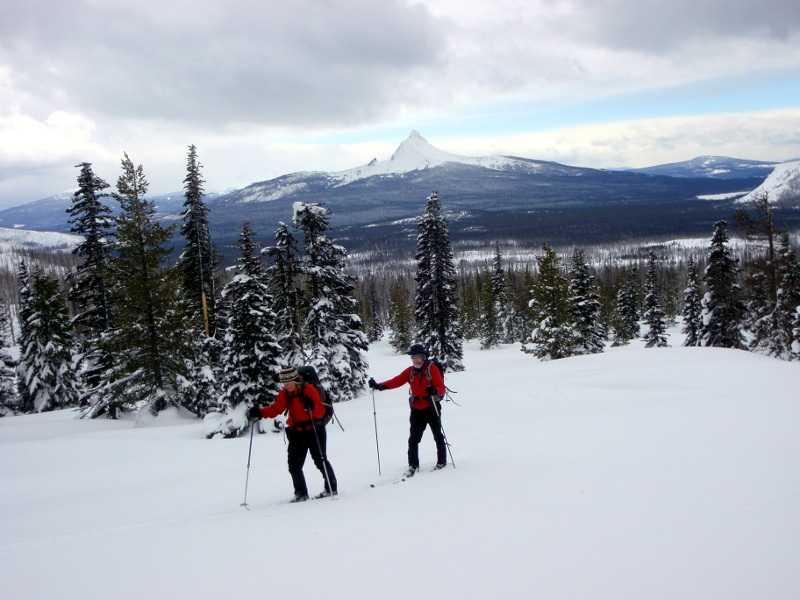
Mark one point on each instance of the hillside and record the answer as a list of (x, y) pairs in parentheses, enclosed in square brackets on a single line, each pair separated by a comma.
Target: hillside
[(638, 473), (375, 206)]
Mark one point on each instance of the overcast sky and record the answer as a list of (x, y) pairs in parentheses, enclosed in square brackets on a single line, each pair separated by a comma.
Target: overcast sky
[(268, 87)]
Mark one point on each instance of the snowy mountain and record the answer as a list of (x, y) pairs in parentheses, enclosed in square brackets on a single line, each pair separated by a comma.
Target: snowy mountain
[(782, 185), (715, 167), (16, 244), (485, 198)]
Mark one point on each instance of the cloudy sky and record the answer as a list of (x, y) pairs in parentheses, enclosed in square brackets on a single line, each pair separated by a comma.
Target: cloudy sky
[(268, 87)]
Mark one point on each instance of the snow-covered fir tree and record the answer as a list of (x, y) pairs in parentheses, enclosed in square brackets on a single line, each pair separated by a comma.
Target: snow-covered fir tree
[(691, 306), (503, 306), (553, 336), (653, 316), (788, 300), (336, 345), (489, 320), (759, 318), (199, 258), (252, 354), (584, 300), (153, 339), (401, 318), (373, 312), (89, 283), (626, 312), (723, 308), (9, 401), (46, 372), (283, 276), (438, 325)]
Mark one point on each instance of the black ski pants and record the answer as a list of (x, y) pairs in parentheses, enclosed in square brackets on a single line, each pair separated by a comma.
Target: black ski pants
[(419, 420), (302, 443)]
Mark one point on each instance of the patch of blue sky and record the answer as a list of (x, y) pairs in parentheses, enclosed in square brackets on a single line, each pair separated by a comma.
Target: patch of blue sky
[(763, 91)]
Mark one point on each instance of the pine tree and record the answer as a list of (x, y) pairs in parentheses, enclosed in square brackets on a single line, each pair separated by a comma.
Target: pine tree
[(199, 258), (9, 400), (283, 276), (788, 300), (723, 309), (46, 373), (89, 283), (373, 311), (252, 354), (584, 300), (489, 322), (337, 345), (500, 294), (691, 306), (401, 318), (626, 316), (435, 304), (656, 334), (153, 340), (759, 318), (553, 336)]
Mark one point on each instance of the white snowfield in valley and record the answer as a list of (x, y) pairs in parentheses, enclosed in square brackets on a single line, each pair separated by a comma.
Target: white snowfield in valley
[(655, 474)]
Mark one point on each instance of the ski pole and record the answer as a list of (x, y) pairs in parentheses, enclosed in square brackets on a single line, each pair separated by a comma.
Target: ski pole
[(249, 453), (323, 456), (375, 419), (444, 435)]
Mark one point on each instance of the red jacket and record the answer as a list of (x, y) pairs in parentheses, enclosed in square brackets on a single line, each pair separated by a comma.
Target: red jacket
[(298, 414), (419, 383)]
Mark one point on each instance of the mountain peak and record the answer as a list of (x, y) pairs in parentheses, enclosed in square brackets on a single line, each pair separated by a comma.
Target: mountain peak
[(416, 153)]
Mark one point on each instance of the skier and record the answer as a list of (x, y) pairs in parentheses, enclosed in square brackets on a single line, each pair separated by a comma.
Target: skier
[(426, 387), (304, 430)]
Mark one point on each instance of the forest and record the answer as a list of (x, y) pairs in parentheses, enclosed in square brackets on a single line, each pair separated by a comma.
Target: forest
[(124, 322)]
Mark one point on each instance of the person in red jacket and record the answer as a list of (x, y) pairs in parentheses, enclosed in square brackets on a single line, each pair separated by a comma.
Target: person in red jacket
[(426, 388), (304, 430)]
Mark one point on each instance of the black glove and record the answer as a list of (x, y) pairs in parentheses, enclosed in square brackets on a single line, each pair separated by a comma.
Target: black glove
[(254, 414), (308, 403), (375, 385), (432, 391)]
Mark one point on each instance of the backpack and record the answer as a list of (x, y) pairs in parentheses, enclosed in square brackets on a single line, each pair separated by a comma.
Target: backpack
[(431, 361), (309, 376)]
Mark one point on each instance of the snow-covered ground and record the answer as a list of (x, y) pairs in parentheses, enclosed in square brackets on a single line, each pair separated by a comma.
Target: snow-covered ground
[(635, 474)]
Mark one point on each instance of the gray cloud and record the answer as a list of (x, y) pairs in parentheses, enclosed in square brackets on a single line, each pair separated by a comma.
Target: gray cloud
[(303, 63)]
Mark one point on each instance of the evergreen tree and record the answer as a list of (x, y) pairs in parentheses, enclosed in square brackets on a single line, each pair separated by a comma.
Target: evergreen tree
[(337, 346), (152, 339), (401, 318), (9, 401), (553, 336), (691, 306), (283, 275), (723, 309), (503, 308), (435, 304), (252, 354), (89, 283), (46, 373), (489, 323), (199, 258), (626, 317), (584, 300), (656, 334), (759, 316), (788, 300), (373, 311)]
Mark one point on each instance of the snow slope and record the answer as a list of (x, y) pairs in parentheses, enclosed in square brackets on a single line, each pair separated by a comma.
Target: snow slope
[(782, 185), (657, 473), (15, 242), (414, 154)]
